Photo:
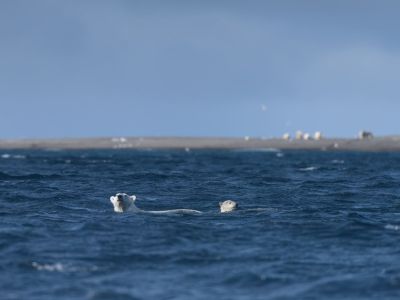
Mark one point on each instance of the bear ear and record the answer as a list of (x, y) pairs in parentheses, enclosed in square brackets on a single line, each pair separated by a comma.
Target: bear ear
[(133, 197), (112, 198)]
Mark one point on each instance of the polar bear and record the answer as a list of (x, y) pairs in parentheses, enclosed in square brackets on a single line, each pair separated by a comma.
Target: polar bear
[(123, 203), (228, 206)]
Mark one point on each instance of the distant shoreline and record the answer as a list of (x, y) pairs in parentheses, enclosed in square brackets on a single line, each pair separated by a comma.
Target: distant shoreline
[(335, 144)]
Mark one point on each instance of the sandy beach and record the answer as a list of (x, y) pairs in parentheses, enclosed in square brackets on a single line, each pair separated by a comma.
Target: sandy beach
[(391, 143)]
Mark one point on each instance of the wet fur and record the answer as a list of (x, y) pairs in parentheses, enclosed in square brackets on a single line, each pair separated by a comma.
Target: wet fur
[(228, 206)]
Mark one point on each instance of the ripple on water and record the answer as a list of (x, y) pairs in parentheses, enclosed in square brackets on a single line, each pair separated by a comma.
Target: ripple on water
[(31, 176)]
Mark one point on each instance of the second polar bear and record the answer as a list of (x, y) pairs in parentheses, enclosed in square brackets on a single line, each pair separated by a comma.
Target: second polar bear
[(228, 206)]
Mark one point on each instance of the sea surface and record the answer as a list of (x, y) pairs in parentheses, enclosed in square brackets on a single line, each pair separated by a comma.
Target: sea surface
[(311, 225)]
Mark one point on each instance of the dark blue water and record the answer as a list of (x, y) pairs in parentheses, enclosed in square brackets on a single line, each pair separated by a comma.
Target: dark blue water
[(330, 228)]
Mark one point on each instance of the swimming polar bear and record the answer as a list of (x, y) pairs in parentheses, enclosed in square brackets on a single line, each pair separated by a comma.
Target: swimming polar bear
[(228, 206), (123, 203)]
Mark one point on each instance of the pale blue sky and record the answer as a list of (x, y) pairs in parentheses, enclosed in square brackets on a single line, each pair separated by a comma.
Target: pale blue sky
[(198, 68)]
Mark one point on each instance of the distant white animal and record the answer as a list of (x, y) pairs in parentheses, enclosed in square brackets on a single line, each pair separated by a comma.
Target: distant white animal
[(318, 135), (299, 135), (124, 203), (228, 206), (306, 136), (365, 135)]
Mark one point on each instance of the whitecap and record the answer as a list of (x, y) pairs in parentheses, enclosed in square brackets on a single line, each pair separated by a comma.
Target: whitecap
[(392, 227), (57, 267), (308, 169), (337, 161), (16, 156)]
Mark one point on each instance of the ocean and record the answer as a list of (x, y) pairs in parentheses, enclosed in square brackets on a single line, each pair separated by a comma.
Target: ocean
[(310, 225)]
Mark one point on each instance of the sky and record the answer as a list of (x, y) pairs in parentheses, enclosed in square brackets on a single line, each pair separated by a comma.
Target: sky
[(82, 68)]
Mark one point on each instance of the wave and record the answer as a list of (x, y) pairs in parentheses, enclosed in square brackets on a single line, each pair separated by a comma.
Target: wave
[(392, 227), (337, 161), (111, 294), (61, 267), (302, 290), (5, 176), (12, 156), (308, 169), (56, 267), (253, 279)]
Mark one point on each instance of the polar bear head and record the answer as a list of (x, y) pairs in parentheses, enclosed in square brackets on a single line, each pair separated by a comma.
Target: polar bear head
[(228, 206), (123, 202)]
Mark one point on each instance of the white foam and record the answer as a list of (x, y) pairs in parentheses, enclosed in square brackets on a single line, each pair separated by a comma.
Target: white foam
[(337, 161), (57, 267), (16, 156), (308, 169), (392, 227)]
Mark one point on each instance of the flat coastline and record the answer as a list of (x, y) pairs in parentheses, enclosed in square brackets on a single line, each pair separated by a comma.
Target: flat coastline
[(377, 144)]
